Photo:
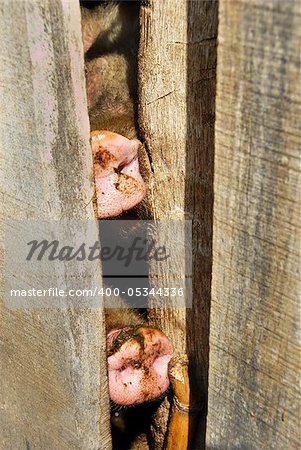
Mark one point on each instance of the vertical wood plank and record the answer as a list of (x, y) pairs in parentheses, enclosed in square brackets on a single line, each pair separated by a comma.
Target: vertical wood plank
[(53, 387), (254, 400), (177, 97)]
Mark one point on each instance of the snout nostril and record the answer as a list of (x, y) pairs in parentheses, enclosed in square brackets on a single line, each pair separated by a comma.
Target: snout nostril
[(120, 167), (125, 163), (137, 365)]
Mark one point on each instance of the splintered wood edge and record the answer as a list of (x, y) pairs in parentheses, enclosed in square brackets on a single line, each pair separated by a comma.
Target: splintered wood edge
[(178, 374), (179, 378)]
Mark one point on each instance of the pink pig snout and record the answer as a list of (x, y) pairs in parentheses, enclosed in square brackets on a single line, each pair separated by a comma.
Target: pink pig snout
[(119, 185), (138, 360)]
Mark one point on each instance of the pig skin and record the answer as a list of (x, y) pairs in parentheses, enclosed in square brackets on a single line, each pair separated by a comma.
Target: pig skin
[(138, 360), (119, 185)]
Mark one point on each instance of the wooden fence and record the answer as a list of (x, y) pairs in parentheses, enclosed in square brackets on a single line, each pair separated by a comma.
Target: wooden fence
[(224, 152)]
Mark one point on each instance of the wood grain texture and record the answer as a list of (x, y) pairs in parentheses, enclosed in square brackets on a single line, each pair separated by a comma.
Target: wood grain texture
[(53, 375), (255, 313), (176, 111)]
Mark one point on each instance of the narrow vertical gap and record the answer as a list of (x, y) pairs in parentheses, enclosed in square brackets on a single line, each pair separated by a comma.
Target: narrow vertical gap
[(200, 96)]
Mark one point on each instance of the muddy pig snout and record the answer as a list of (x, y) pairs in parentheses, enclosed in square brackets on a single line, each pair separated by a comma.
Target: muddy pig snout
[(119, 185), (138, 360)]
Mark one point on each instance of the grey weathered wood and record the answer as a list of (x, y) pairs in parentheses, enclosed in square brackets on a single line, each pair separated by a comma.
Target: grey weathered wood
[(53, 387), (177, 96), (254, 400)]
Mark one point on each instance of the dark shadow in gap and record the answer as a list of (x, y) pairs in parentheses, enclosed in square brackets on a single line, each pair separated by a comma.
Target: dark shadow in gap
[(201, 79)]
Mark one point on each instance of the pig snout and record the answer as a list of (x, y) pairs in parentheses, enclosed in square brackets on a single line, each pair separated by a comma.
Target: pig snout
[(138, 360), (119, 185)]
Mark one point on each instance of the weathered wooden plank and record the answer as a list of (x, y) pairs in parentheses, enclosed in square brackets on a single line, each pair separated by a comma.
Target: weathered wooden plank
[(177, 97), (255, 315), (53, 375)]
